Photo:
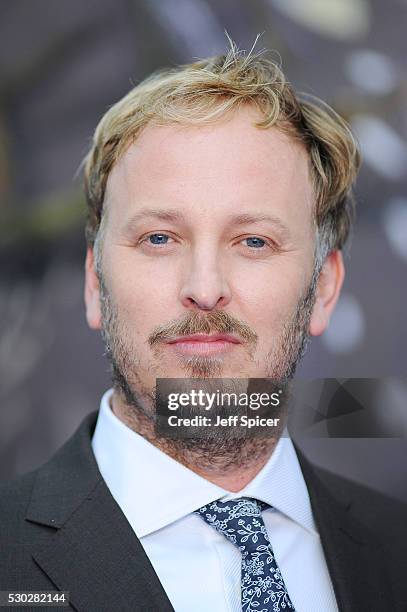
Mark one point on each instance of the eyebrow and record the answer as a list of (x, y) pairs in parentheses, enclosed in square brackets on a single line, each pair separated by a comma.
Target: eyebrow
[(234, 219), (247, 218)]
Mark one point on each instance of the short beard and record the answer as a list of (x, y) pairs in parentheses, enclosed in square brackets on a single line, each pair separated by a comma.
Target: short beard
[(228, 448)]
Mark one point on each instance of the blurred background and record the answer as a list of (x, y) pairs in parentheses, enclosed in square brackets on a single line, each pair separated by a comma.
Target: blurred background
[(62, 65)]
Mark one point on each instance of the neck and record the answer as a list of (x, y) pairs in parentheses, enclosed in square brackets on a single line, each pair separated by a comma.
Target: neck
[(228, 463)]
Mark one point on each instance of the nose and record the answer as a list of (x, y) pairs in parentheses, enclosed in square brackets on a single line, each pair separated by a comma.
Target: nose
[(204, 285)]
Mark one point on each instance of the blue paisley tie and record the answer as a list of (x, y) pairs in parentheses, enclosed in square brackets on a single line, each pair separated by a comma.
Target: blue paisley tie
[(240, 521)]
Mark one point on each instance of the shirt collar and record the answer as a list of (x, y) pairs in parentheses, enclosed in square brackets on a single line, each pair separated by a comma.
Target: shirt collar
[(154, 490)]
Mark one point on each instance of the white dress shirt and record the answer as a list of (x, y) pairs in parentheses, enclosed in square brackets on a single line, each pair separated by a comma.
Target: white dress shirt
[(197, 566)]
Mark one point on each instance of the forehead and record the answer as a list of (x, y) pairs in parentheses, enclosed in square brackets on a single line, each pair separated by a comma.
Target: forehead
[(209, 171)]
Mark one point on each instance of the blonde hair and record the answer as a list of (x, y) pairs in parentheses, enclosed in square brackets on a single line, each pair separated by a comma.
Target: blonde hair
[(204, 92)]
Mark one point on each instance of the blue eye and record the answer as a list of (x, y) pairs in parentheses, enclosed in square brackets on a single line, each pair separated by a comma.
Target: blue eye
[(158, 238), (255, 242)]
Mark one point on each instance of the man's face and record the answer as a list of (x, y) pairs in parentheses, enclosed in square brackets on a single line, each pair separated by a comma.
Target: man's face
[(208, 229)]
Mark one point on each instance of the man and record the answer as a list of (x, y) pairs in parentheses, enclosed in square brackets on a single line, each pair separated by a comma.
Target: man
[(219, 203)]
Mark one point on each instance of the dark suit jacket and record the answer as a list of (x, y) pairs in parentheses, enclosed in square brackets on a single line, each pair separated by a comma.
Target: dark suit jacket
[(60, 529)]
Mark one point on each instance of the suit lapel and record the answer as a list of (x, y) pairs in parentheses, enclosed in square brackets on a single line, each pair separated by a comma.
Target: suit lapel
[(91, 550), (354, 557)]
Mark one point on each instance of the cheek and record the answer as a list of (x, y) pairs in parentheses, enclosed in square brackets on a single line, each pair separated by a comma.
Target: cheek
[(268, 296), (143, 296)]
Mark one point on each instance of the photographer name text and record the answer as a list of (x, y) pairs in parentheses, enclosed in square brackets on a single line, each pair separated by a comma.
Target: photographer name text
[(230, 421)]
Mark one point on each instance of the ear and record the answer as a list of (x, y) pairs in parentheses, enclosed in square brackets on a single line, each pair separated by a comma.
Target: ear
[(329, 285), (92, 295)]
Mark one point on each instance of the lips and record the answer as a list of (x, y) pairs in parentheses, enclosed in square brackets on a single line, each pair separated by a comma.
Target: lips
[(203, 344), (205, 338)]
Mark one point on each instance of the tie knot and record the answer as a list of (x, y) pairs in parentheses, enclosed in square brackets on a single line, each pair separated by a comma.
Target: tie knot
[(239, 520)]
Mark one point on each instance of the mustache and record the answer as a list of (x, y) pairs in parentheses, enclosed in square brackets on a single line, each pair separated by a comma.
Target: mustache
[(197, 322)]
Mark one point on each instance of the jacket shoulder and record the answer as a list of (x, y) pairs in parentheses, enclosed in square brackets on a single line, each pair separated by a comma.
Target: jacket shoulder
[(372, 507), (66, 476), (15, 497), (384, 517)]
